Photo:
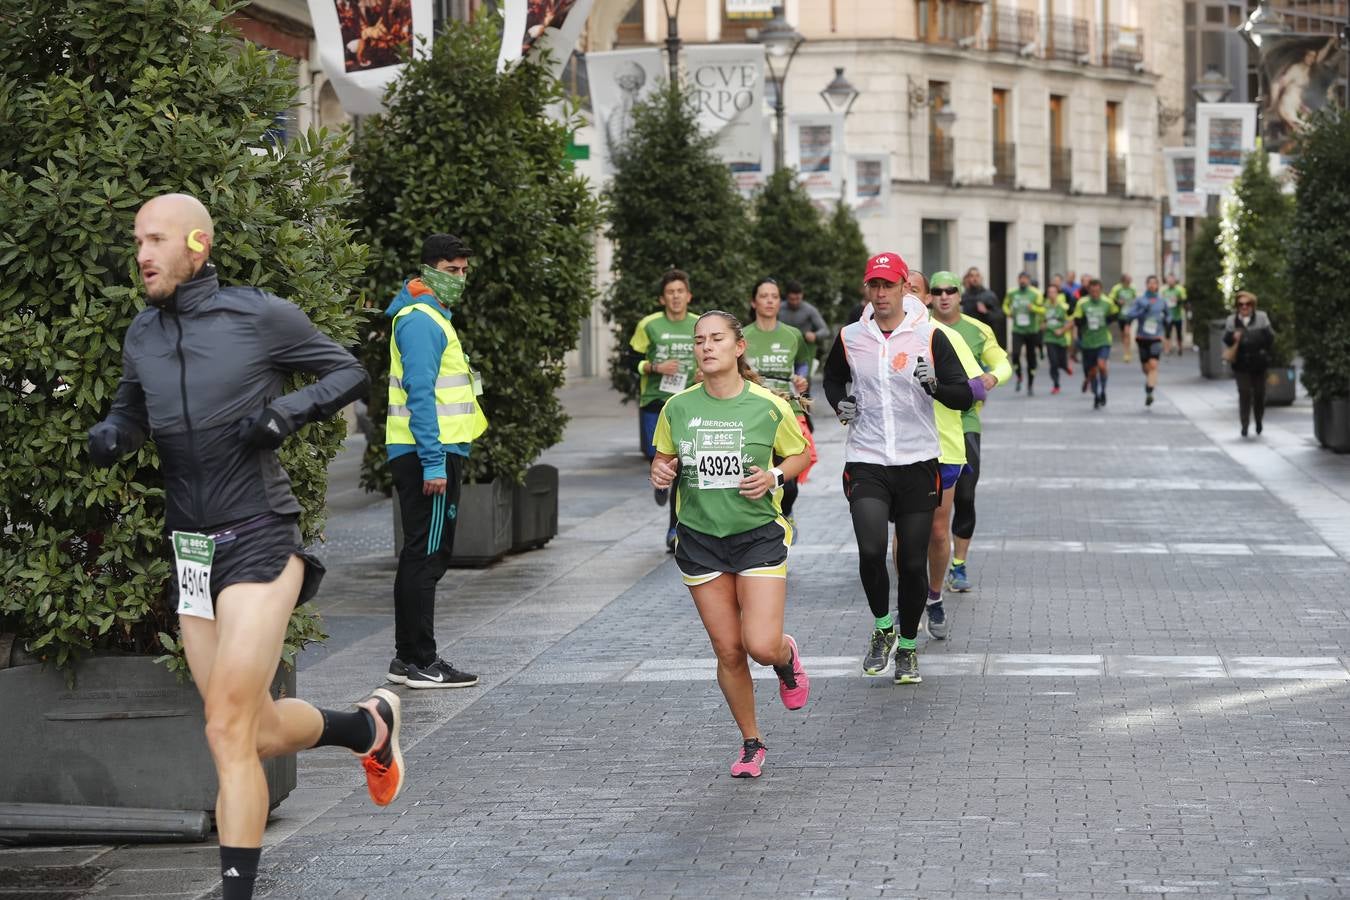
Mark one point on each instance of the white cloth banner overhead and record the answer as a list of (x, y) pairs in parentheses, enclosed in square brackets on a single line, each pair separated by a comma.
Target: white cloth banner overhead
[(869, 183), (750, 177), (727, 84), (363, 45), (618, 81), (1224, 134), (815, 147), (1182, 197), (542, 25)]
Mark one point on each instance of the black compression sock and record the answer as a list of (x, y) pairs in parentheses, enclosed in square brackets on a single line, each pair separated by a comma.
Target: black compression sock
[(238, 871), (354, 730)]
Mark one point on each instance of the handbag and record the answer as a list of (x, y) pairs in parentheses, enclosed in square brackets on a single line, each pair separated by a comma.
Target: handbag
[(1230, 353)]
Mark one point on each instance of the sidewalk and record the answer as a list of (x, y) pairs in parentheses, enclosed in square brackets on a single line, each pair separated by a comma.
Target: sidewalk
[(1146, 693)]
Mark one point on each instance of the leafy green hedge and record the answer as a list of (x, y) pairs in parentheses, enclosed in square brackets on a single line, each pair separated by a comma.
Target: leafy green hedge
[(1319, 252), (104, 104), (1204, 270), (465, 150), (672, 203), (1256, 220)]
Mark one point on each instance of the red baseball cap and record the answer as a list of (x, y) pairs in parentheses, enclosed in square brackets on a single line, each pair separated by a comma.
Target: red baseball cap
[(887, 266)]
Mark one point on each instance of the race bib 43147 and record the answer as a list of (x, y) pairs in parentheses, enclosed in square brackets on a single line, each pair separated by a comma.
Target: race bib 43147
[(192, 557)]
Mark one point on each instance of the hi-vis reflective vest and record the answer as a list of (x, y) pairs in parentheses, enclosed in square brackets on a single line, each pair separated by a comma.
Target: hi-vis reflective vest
[(895, 425), (458, 414)]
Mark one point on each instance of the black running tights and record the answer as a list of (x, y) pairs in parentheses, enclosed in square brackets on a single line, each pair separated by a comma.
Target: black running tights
[(963, 504), (870, 518)]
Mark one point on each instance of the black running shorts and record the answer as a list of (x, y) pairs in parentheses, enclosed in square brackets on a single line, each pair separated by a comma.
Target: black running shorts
[(914, 488), (258, 556), (1150, 349), (761, 551)]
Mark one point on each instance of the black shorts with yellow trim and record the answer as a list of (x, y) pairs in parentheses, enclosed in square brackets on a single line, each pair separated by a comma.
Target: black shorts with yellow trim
[(760, 552)]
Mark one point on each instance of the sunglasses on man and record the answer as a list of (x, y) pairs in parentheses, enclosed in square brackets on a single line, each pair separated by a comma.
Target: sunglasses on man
[(937, 291)]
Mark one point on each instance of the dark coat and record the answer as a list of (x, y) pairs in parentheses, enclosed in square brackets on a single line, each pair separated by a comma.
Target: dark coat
[(1258, 337)]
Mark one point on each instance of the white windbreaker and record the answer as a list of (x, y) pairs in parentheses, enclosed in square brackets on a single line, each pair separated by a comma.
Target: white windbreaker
[(894, 424)]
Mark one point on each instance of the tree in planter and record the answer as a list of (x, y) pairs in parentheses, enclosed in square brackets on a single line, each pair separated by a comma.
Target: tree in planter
[(850, 255), (1256, 218), (1204, 269), (672, 203), (466, 150), (102, 110), (1318, 247), (792, 241)]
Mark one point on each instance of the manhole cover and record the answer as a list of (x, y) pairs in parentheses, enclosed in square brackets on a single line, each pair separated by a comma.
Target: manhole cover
[(47, 882)]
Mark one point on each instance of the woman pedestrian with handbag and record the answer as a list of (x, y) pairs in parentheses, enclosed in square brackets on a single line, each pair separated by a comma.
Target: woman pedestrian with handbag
[(1248, 339)]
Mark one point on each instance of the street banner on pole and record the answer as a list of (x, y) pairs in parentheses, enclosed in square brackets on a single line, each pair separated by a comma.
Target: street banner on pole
[(749, 9), (816, 148), (538, 25), (727, 84), (618, 80), (750, 177), (869, 183), (363, 45), (1301, 72), (1224, 134), (1182, 197)]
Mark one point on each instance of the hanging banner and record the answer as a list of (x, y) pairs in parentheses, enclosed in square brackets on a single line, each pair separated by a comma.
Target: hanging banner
[(540, 25), (618, 80), (363, 45), (815, 148), (750, 177), (1182, 197), (1224, 134), (727, 84), (749, 9), (1301, 70), (869, 184)]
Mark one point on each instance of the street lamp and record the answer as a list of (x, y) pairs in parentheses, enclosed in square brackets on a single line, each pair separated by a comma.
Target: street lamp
[(1264, 22), (839, 93), (673, 40), (781, 42), (1212, 87)]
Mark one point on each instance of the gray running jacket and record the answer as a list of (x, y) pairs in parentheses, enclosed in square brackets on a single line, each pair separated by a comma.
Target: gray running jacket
[(192, 371)]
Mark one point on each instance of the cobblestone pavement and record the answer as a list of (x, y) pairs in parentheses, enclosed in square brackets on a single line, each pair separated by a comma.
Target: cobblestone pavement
[(1146, 693)]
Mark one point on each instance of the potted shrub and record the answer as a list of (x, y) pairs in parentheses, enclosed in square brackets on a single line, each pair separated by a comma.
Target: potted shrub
[(462, 148), (1256, 219), (1319, 254), (1204, 269), (102, 110)]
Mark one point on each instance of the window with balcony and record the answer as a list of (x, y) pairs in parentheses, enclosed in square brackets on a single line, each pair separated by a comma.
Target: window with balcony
[(1013, 29), (1115, 159), (1067, 38), (1061, 157), (952, 22), (1122, 48), (940, 145), (1005, 153)]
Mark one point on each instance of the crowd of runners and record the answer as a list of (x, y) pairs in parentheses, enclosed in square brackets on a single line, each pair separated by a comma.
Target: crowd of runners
[(726, 415)]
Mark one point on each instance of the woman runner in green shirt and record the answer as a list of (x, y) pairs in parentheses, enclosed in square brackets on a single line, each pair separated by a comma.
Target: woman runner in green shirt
[(733, 541)]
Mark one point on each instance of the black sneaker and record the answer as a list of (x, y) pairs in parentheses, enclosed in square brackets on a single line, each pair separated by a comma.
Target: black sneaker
[(661, 495), (907, 667), (439, 674), (878, 654), (398, 671)]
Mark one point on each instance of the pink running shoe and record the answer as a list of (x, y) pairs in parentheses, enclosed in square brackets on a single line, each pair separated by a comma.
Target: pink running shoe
[(793, 685), (751, 761)]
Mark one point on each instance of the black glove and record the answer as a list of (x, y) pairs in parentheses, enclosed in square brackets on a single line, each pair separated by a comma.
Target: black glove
[(103, 444), (264, 430)]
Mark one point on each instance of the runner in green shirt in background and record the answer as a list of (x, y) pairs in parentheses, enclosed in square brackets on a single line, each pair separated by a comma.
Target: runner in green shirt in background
[(782, 358), (1093, 318), (1174, 295), (1122, 295), (1024, 306), (662, 352), (1055, 333)]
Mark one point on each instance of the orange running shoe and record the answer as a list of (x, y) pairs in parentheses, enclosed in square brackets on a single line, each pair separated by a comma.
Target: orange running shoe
[(384, 761)]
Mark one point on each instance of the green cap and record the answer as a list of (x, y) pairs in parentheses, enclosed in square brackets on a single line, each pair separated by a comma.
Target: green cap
[(944, 280)]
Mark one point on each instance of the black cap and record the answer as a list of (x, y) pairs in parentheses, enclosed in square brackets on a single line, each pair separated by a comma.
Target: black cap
[(443, 246)]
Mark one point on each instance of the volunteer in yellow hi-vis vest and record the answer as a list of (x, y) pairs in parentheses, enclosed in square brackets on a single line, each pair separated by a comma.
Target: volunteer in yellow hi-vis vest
[(434, 416)]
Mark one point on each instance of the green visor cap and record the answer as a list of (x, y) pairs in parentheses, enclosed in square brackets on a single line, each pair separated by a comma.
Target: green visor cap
[(944, 280)]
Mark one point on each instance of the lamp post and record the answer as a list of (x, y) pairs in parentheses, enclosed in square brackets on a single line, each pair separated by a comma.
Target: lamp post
[(781, 42), (673, 40), (1212, 87), (1264, 22), (840, 94)]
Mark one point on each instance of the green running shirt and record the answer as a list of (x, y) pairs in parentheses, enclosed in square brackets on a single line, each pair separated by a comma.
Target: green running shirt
[(775, 356), (717, 441), (1095, 318), (1056, 316), (1024, 306), (659, 338)]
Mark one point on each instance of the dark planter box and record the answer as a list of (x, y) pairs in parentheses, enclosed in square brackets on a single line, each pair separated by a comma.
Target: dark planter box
[(1331, 423), (1211, 357), (534, 509), (483, 533), (128, 734), (1281, 386)]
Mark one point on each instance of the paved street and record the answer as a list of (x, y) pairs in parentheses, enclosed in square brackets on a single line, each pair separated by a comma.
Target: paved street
[(1146, 693)]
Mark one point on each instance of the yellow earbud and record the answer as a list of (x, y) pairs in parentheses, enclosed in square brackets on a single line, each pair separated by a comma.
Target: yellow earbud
[(192, 242)]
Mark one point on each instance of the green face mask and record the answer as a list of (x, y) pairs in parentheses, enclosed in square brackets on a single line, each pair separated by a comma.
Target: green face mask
[(447, 288)]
